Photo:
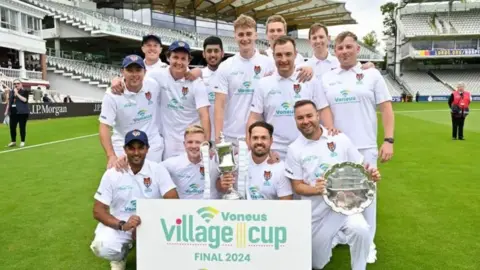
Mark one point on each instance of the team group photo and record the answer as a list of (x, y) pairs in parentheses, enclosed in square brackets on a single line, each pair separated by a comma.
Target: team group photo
[(247, 148)]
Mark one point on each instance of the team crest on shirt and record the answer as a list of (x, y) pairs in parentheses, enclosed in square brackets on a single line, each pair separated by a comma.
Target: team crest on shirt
[(332, 146), (184, 92), (359, 78), (202, 170), (297, 88), (257, 70), (267, 175), (148, 96), (147, 182)]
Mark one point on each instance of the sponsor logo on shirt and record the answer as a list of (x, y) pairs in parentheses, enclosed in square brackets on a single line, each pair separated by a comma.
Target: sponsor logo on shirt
[(255, 193), (309, 159), (193, 189), (321, 169), (245, 89), (125, 187), (142, 116), (285, 110), (129, 104), (274, 92), (131, 206), (173, 104), (345, 97)]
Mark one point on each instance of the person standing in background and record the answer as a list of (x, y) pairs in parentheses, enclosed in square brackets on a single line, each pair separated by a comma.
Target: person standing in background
[(459, 103), (17, 109)]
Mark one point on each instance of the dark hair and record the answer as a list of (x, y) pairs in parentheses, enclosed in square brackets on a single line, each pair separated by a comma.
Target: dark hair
[(304, 102), (315, 27), (212, 40), (262, 124), (284, 40), (342, 36)]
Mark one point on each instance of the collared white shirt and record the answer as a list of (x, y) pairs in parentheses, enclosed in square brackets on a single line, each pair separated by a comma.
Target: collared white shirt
[(321, 67), (267, 181), (308, 160), (121, 190), (180, 101), (274, 99), (158, 65), (132, 111), (353, 96), (190, 178), (238, 78), (208, 75), (299, 60)]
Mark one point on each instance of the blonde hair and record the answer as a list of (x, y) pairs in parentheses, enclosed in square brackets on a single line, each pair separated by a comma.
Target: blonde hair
[(244, 21), (194, 129), (276, 18)]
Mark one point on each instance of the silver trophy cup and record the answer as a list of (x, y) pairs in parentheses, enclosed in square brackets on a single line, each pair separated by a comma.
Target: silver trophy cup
[(349, 188), (226, 164)]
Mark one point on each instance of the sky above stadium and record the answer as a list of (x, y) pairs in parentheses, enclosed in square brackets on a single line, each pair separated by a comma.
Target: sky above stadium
[(368, 16)]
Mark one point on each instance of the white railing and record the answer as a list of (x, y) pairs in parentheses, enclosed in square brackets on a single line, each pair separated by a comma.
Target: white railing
[(9, 72), (34, 75)]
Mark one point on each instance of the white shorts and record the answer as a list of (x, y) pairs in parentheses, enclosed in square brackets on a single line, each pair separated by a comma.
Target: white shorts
[(370, 156), (110, 244)]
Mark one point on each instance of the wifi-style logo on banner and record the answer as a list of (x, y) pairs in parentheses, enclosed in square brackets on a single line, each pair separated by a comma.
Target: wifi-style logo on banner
[(207, 213)]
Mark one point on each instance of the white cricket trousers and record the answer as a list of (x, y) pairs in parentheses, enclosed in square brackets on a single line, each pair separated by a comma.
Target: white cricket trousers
[(370, 156), (110, 244), (356, 231)]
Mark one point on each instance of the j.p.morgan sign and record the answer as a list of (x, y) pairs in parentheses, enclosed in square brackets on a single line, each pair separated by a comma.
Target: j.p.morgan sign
[(59, 110)]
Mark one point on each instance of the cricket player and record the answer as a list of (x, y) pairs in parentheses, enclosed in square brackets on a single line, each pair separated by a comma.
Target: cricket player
[(236, 79), (308, 157), (182, 102), (187, 169), (152, 48), (265, 181), (115, 200), (135, 109), (354, 95), (275, 96), (213, 54)]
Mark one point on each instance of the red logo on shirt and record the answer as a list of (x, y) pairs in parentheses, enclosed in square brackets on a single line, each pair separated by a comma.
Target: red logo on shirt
[(148, 95), (202, 170), (267, 175), (331, 146), (147, 182), (257, 70), (297, 88), (359, 76), (184, 91)]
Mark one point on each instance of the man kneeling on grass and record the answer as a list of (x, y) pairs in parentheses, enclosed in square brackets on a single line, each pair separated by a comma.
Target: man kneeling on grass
[(115, 200)]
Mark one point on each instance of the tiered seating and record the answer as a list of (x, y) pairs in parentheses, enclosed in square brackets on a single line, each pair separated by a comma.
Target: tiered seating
[(422, 82), (393, 87), (471, 78), (95, 74), (463, 22), (417, 25)]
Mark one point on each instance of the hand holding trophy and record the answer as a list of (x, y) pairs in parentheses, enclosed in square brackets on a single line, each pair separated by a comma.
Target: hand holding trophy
[(349, 188), (226, 164)]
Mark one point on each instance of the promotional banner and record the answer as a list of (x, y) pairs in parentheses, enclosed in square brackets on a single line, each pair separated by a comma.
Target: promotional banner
[(224, 235), (447, 52), (58, 110)]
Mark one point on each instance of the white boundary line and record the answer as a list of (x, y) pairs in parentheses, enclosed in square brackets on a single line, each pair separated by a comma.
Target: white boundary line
[(447, 110), (48, 143)]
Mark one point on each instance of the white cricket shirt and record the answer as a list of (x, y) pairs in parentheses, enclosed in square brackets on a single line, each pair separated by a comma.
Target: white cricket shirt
[(158, 65), (179, 104), (121, 190), (308, 160), (353, 96), (274, 99), (267, 181), (207, 75), (132, 111), (238, 78), (321, 67), (189, 178)]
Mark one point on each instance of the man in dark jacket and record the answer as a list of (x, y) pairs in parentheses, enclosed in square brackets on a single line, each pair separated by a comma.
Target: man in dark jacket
[(18, 111)]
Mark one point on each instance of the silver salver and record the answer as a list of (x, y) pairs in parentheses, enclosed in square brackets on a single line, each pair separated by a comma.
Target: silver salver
[(349, 188), (226, 164)]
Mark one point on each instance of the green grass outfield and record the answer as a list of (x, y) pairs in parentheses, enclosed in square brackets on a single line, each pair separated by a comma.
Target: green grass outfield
[(428, 209)]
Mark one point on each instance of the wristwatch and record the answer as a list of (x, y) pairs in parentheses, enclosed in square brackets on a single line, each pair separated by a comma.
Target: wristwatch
[(120, 225), (389, 140)]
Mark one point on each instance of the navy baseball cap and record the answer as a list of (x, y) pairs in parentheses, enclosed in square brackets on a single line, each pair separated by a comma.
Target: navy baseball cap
[(179, 45), (133, 59), (151, 37), (136, 135)]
